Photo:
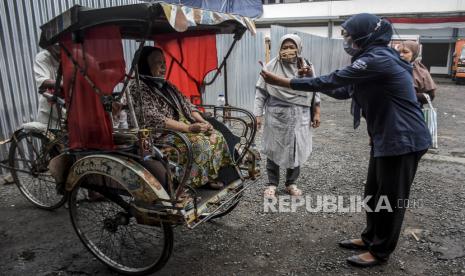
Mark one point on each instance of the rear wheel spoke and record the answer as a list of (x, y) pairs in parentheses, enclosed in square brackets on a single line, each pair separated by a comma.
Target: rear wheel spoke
[(30, 152), (114, 237)]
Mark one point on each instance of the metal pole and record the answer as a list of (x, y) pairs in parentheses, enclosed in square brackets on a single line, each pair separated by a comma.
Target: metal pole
[(226, 103), (330, 29)]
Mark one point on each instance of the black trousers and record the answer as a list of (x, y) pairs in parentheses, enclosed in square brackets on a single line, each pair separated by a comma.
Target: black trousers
[(388, 178), (272, 170)]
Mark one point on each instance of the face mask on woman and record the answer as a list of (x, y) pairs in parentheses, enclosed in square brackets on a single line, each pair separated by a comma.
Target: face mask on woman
[(349, 46), (288, 55), (349, 43)]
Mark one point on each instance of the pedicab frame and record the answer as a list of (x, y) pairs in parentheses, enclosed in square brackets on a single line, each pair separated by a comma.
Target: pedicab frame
[(129, 183)]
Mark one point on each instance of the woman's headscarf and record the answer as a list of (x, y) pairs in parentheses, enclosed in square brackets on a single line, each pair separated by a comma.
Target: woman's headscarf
[(288, 70), (368, 29), (421, 76), (172, 95), (413, 47), (143, 63)]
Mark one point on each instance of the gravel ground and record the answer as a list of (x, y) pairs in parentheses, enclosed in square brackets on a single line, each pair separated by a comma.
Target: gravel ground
[(251, 242)]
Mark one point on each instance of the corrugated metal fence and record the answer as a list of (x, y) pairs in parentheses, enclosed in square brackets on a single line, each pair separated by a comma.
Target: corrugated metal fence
[(20, 22)]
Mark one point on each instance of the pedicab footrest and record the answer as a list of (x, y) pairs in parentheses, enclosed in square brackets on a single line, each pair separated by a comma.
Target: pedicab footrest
[(209, 206), (157, 214)]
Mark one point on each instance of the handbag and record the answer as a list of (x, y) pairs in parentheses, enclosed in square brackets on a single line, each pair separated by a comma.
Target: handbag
[(430, 116)]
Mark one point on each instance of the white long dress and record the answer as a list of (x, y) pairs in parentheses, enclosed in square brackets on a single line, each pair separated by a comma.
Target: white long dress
[(287, 134)]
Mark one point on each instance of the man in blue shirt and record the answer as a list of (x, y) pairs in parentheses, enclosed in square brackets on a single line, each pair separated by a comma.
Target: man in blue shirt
[(381, 87)]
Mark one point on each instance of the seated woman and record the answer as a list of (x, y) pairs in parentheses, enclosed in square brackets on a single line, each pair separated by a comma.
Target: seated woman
[(163, 106)]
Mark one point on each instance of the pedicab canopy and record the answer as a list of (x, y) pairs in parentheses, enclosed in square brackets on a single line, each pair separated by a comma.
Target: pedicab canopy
[(143, 21), (93, 61), (249, 8)]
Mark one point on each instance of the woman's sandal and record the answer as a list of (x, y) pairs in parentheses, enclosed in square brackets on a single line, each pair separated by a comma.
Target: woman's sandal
[(293, 190), (270, 192)]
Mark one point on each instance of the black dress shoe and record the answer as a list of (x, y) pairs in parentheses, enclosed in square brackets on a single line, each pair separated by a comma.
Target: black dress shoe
[(348, 244), (357, 261)]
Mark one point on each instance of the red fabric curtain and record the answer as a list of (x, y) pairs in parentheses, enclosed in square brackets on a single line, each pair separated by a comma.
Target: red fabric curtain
[(188, 61), (101, 55)]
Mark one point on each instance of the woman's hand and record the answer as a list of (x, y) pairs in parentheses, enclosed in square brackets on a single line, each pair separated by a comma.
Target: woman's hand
[(199, 119), (259, 121), (316, 117), (194, 128), (274, 79), (208, 125), (305, 71), (316, 120), (199, 127)]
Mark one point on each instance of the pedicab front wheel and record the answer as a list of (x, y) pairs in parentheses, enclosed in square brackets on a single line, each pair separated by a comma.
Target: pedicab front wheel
[(29, 156), (100, 215)]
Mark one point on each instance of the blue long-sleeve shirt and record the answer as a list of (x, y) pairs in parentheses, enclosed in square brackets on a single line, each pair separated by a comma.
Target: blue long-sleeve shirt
[(382, 85)]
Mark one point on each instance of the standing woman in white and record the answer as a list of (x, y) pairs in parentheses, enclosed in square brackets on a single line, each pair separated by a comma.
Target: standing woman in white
[(289, 117)]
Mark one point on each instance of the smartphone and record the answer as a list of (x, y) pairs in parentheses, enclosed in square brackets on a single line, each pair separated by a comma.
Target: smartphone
[(300, 63)]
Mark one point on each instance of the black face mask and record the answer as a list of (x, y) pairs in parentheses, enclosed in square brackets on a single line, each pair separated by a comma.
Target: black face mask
[(349, 47)]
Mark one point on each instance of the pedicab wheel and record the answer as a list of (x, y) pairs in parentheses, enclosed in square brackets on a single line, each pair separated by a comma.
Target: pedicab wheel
[(103, 222), (227, 208), (30, 155)]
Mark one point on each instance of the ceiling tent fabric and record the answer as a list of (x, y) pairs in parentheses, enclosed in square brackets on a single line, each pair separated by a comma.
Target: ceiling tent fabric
[(249, 8), (181, 17), (133, 21)]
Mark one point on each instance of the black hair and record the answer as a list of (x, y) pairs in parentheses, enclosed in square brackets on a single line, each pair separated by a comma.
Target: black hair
[(143, 63)]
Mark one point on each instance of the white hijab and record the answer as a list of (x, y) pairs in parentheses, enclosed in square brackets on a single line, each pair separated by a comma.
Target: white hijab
[(288, 70)]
